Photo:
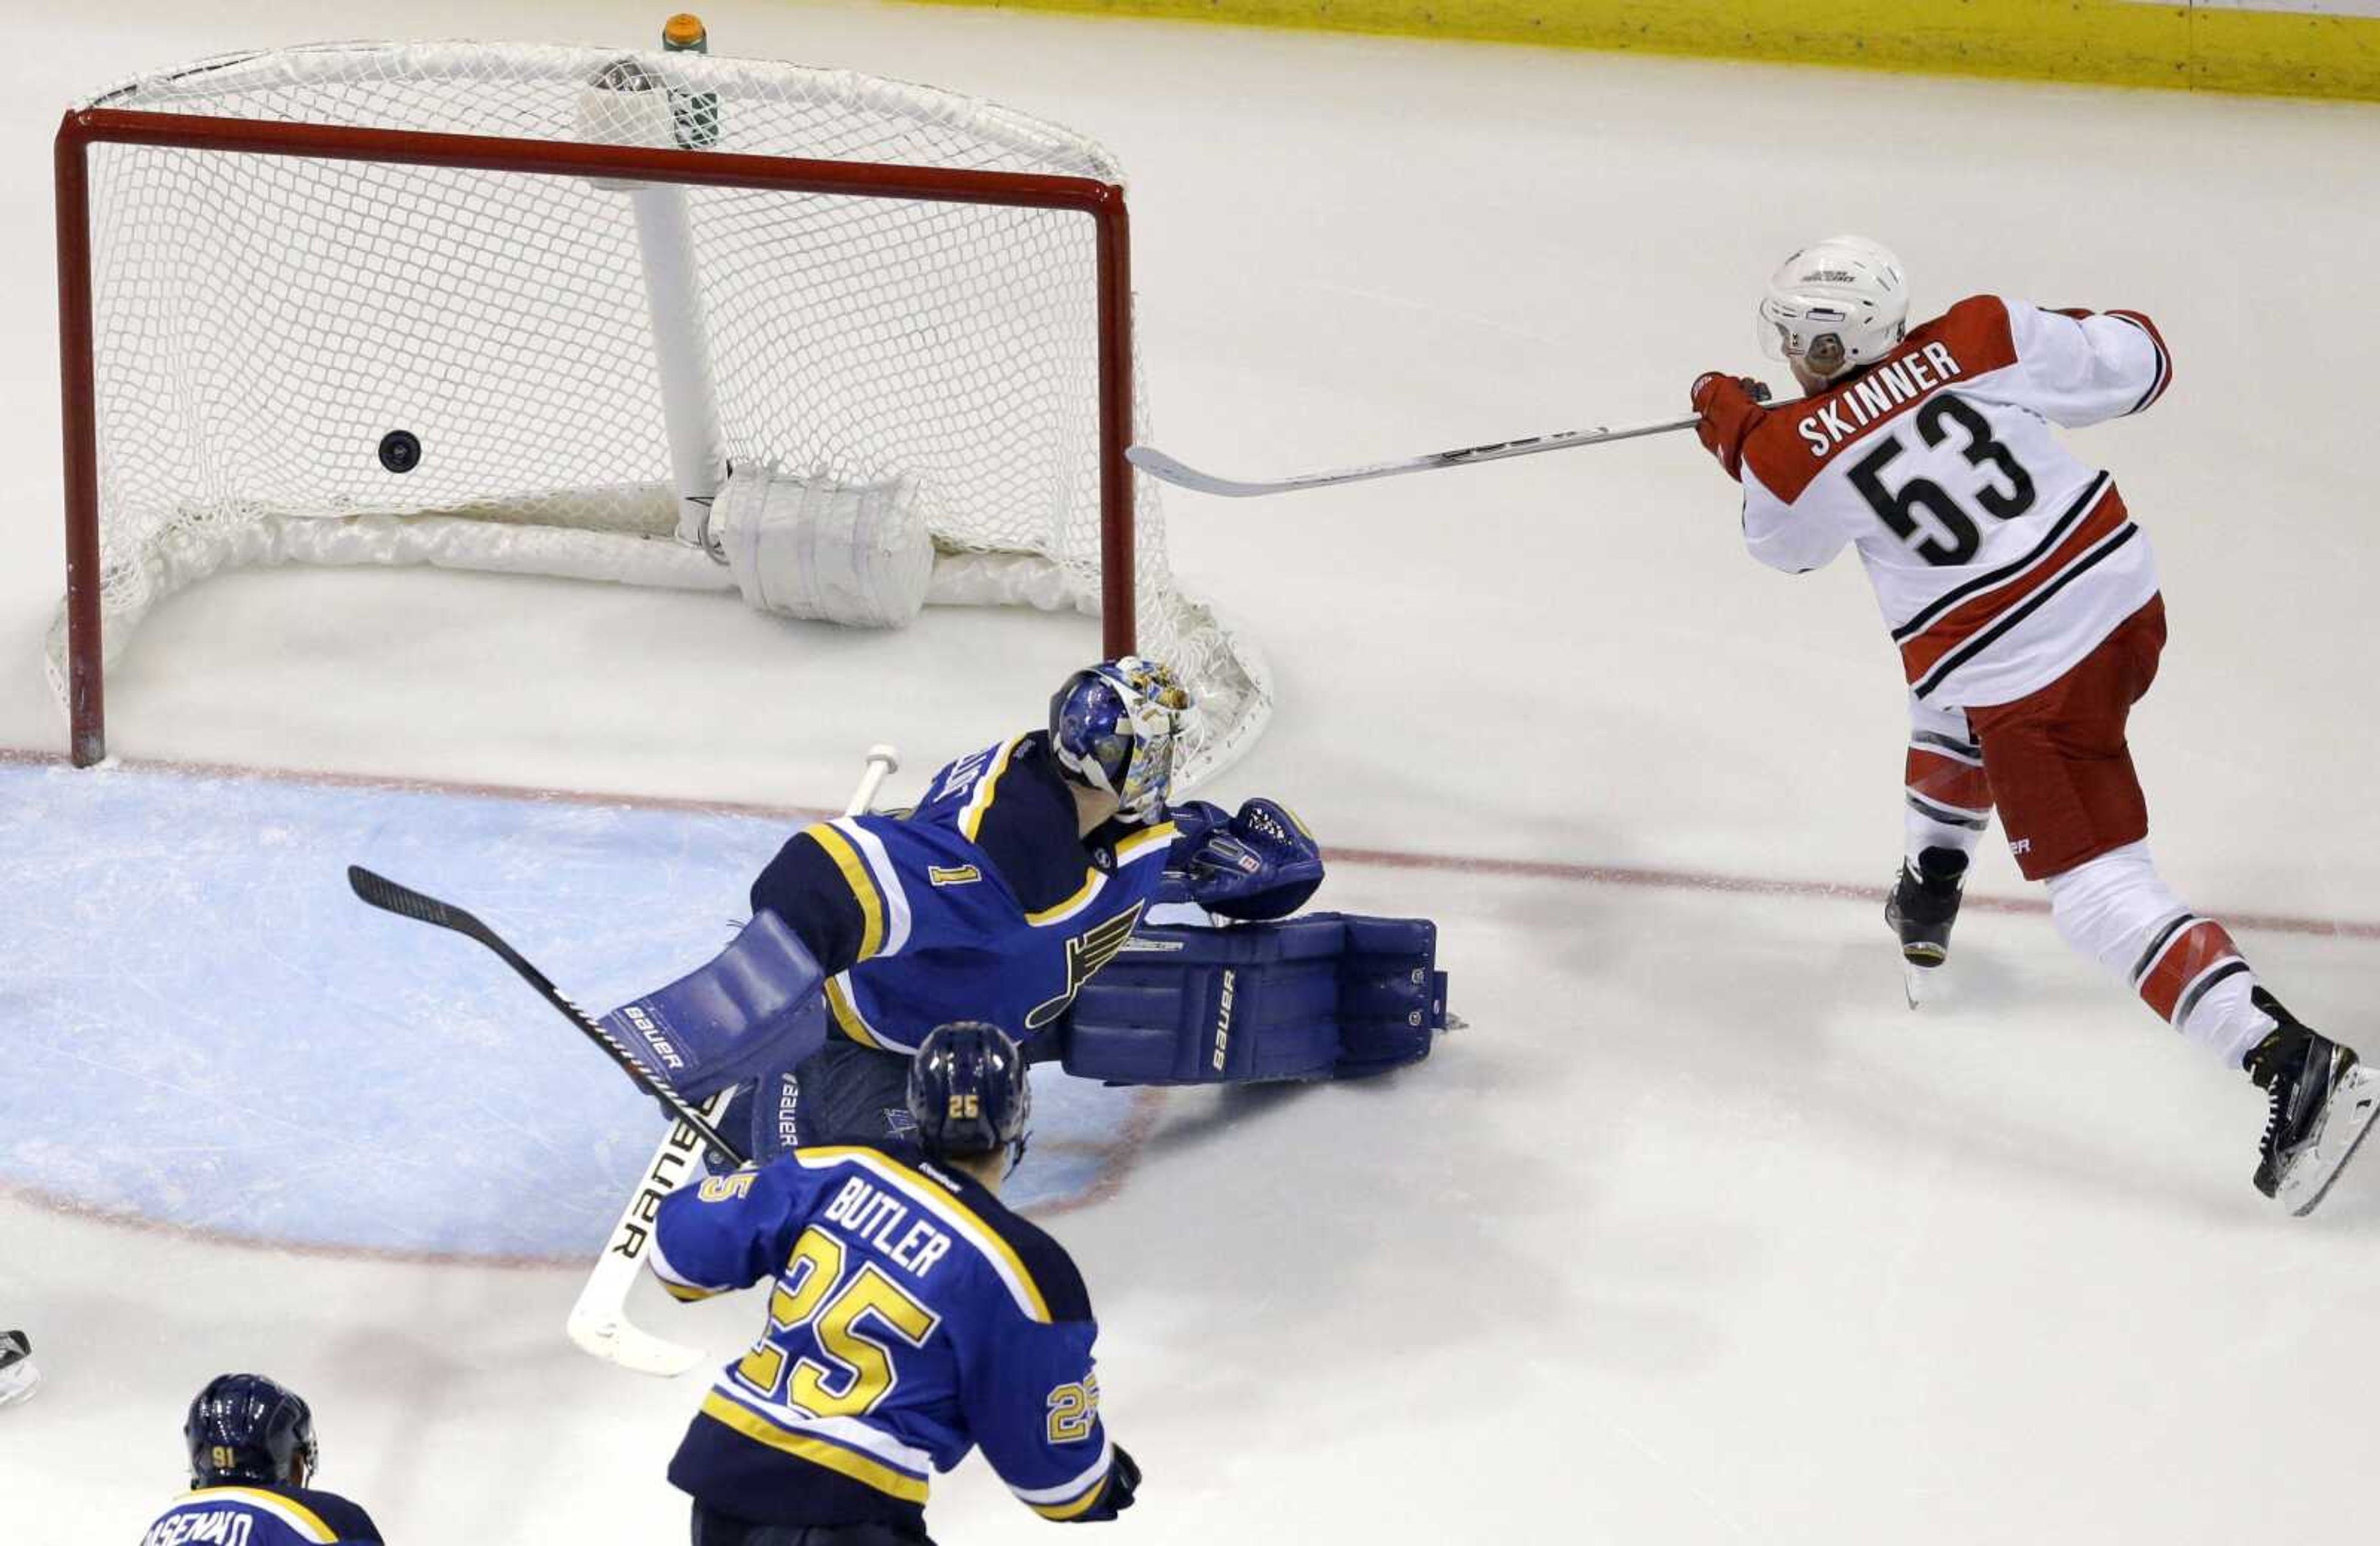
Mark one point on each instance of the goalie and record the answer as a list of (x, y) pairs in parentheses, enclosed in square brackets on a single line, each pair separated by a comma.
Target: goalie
[(1020, 892)]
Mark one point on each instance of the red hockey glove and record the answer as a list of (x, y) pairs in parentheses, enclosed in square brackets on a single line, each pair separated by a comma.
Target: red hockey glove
[(1731, 409)]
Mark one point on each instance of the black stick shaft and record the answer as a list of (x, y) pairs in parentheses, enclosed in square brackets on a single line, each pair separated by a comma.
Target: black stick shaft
[(389, 897)]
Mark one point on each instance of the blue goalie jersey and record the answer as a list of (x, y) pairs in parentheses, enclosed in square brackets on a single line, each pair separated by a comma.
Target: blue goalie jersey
[(261, 1516), (984, 903), (911, 1317)]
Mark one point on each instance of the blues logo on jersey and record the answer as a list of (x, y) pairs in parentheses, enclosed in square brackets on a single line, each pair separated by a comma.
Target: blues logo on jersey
[(986, 902)]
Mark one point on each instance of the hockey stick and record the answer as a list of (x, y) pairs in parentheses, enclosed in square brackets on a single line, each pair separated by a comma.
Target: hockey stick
[(1156, 464), (404, 901), (598, 1318)]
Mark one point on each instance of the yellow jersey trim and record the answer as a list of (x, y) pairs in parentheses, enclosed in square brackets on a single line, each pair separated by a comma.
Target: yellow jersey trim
[(271, 1503), (1080, 1505), (817, 1452), (685, 1294), (1130, 848), (863, 887), (846, 1014), (1058, 913), (936, 1198), (987, 789)]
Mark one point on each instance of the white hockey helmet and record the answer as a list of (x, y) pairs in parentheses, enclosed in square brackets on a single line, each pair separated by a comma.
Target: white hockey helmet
[(1835, 304)]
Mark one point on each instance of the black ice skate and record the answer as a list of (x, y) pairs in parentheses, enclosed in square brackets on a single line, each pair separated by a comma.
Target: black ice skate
[(1923, 906), (18, 1375), (2322, 1105)]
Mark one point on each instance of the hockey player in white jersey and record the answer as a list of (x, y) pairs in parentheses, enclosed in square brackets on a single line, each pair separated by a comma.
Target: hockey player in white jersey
[(2026, 609)]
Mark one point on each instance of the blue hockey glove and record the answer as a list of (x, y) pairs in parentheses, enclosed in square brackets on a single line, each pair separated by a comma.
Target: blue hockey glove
[(1259, 864), (1123, 1481)]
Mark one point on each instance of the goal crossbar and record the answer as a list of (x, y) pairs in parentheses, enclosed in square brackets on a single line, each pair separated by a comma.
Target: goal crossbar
[(1103, 202)]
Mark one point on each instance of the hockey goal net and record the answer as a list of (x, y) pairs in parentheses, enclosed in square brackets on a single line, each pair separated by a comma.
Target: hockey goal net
[(527, 307)]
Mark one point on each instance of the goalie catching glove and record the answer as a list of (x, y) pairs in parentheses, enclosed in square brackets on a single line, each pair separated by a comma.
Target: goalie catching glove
[(1261, 863)]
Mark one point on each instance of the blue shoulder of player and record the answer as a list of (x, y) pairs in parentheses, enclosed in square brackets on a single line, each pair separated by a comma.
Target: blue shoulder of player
[(343, 1516), (840, 886), (1011, 803), (730, 1231), (1046, 1263)]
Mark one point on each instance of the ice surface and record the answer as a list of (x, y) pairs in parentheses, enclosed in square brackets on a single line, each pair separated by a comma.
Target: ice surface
[(1697, 1233)]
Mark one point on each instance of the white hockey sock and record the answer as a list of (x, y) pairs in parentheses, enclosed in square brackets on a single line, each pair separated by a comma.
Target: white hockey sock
[(2184, 967), (1949, 801)]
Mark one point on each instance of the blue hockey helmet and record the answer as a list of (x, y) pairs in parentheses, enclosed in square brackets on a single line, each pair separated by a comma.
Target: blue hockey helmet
[(245, 1428), (1111, 726), (967, 1091)]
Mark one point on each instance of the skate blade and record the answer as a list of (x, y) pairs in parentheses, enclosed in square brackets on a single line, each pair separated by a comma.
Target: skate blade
[(1923, 984), (2346, 1122), (18, 1384)]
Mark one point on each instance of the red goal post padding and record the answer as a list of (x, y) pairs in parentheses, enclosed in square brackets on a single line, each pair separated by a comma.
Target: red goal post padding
[(1103, 202)]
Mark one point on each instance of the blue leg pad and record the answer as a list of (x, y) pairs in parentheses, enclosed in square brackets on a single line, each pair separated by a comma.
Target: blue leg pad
[(1323, 996)]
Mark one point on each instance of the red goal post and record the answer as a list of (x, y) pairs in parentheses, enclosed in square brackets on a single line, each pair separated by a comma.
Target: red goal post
[(1103, 203)]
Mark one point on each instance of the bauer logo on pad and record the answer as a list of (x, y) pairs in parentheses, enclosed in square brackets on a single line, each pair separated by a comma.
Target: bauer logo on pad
[(645, 1027)]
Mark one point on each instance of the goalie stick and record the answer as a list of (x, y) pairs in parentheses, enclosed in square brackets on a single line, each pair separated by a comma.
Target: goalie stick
[(1156, 464), (598, 1318), (404, 901)]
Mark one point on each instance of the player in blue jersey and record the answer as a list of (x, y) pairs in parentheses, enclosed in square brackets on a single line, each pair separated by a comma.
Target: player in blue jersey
[(912, 1318), (1020, 875), (1024, 870), (252, 1452), (1030, 869)]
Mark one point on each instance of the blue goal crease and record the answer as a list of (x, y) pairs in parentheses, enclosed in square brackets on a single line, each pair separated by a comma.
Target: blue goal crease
[(212, 1032)]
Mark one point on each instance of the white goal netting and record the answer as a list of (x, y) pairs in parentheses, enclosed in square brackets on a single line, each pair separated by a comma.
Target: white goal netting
[(264, 324)]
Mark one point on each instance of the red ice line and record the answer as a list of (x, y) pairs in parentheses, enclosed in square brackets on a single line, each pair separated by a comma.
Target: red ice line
[(1386, 859)]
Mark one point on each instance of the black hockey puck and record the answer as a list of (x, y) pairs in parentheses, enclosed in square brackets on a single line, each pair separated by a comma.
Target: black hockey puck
[(400, 451)]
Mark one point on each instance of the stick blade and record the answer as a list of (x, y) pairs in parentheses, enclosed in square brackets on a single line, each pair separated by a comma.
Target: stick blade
[(616, 1341), (389, 897), (380, 892), (1165, 468)]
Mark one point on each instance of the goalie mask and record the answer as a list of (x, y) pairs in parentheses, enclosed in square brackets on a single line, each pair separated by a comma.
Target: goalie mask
[(1112, 727), (1835, 304)]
